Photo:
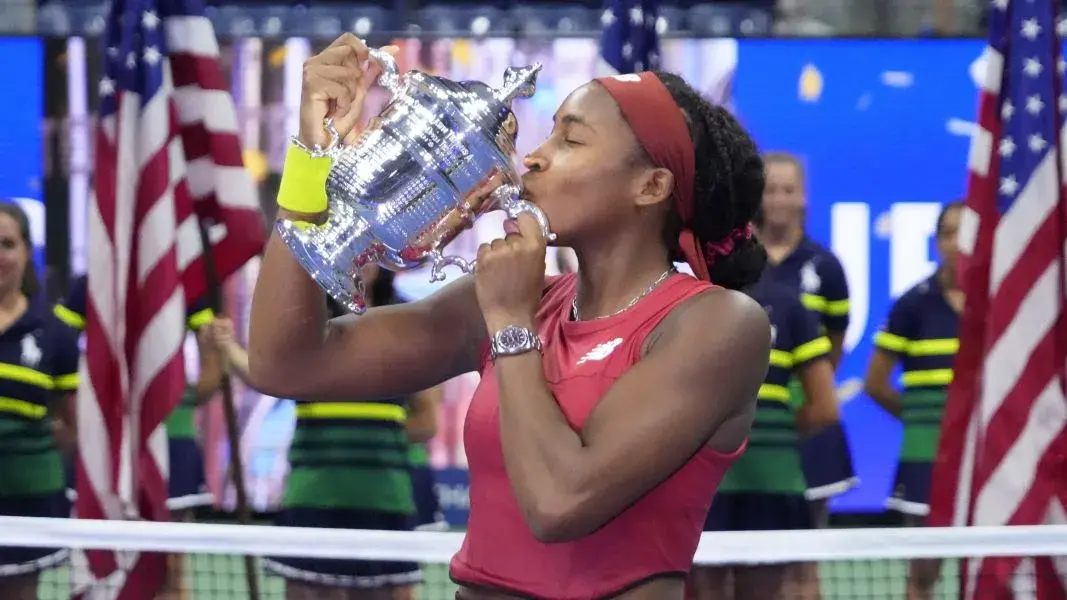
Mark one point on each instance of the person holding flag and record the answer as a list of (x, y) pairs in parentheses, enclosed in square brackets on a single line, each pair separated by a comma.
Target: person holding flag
[(1004, 433), (187, 488), (168, 177), (921, 334)]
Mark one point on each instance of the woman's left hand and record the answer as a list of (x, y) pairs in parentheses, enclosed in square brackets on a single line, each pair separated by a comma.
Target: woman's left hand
[(510, 276)]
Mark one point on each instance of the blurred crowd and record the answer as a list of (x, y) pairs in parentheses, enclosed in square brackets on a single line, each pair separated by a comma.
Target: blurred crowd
[(327, 18)]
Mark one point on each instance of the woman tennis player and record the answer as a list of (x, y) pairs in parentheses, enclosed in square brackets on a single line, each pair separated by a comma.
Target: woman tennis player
[(612, 400)]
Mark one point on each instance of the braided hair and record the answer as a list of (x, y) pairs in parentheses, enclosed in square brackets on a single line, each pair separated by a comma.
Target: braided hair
[(728, 184)]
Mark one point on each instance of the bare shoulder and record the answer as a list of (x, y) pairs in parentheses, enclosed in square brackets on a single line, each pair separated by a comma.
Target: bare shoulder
[(718, 318), (719, 339), (725, 322)]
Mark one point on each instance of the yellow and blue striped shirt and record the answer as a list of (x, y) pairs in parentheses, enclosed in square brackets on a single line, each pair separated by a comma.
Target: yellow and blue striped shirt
[(922, 332), (817, 276), (38, 363), (772, 465)]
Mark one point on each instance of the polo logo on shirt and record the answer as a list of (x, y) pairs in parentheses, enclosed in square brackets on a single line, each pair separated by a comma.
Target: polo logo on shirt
[(774, 335), (31, 352), (810, 282), (600, 351)]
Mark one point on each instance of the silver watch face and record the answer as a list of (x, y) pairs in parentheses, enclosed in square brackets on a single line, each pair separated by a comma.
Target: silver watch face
[(513, 338)]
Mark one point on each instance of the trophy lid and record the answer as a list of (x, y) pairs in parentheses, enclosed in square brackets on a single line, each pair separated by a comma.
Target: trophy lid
[(519, 82)]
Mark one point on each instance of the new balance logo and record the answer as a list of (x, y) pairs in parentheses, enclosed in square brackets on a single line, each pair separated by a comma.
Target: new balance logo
[(600, 351)]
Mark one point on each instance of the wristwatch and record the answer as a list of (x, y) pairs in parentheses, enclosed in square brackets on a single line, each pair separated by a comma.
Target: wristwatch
[(513, 340)]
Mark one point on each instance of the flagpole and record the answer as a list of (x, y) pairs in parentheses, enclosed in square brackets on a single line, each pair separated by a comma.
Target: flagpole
[(229, 411)]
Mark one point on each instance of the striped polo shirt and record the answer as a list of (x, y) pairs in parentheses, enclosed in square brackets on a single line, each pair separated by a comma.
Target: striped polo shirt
[(818, 278), (922, 333), (38, 366), (772, 464)]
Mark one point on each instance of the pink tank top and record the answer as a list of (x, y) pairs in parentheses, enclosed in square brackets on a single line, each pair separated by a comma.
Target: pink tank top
[(656, 536)]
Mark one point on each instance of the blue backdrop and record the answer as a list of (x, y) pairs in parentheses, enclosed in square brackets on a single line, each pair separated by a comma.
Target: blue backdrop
[(883, 129), (21, 114)]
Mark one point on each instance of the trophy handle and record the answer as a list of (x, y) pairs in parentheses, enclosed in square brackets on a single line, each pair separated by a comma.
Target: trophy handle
[(507, 199), (332, 144), (390, 77), (440, 261)]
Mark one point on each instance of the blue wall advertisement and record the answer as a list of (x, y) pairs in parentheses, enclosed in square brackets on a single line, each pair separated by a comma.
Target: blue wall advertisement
[(21, 147)]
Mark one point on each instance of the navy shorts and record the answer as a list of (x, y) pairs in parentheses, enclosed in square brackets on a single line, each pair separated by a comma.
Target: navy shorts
[(749, 511), (187, 487), (827, 463), (22, 561), (911, 489), (428, 509), (344, 573)]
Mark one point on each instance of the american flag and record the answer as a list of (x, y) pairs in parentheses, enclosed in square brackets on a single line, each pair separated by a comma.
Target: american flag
[(1004, 433), (168, 161), (630, 41)]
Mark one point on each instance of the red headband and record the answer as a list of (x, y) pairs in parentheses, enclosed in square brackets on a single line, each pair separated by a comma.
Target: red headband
[(661, 129)]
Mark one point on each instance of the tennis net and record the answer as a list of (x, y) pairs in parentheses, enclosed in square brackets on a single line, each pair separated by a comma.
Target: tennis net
[(854, 564)]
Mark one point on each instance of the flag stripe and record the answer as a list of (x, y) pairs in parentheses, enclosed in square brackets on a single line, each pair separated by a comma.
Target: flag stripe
[(147, 264), (1003, 432)]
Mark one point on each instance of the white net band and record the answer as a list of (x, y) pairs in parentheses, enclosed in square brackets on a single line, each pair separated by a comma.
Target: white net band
[(719, 548)]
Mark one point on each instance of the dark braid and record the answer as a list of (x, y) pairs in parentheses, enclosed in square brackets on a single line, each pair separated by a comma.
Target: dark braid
[(728, 185)]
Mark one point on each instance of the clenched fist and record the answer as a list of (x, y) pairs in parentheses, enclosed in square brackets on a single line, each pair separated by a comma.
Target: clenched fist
[(510, 275), (336, 81)]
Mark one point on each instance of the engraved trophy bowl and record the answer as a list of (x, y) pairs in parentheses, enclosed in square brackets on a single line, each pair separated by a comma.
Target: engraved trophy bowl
[(437, 157)]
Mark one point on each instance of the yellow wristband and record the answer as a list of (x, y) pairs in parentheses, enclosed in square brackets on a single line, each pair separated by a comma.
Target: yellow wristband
[(303, 185)]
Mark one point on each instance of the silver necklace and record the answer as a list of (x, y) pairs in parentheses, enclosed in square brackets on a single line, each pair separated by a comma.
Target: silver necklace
[(630, 304)]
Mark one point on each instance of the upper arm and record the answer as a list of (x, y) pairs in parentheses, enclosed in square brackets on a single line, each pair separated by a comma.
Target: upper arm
[(422, 414), (900, 328), (426, 401), (65, 358), (879, 370), (73, 308), (808, 343), (700, 377), (391, 351), (811, 353), (891, 342), (831, 301)]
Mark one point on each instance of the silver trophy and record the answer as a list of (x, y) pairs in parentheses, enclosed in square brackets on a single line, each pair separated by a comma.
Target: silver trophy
[(439, 156)]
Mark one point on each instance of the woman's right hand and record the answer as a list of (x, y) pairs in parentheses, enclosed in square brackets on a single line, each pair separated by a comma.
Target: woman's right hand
[(335, 85)]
